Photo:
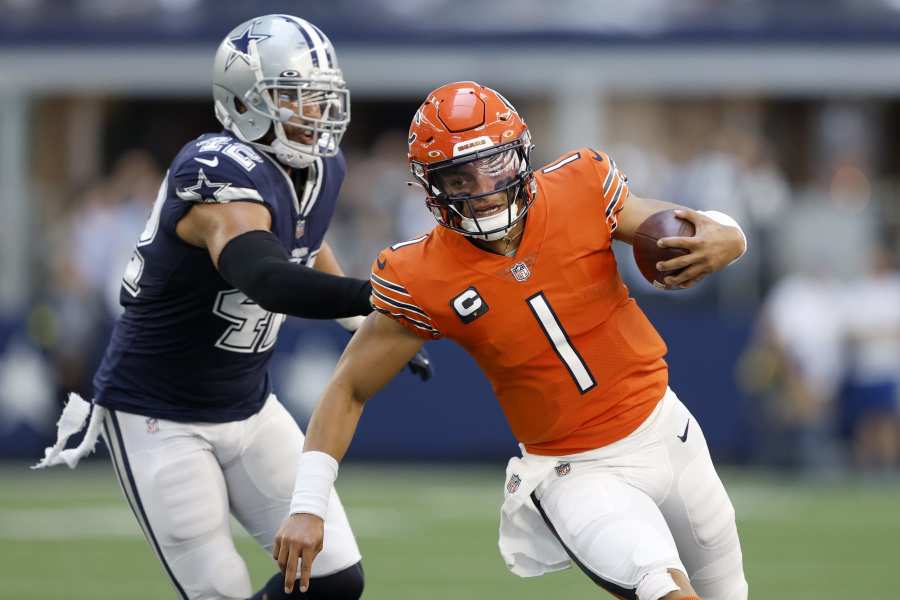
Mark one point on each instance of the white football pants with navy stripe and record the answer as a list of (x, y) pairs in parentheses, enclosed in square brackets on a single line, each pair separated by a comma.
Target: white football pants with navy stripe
[(182, 480), (628, 512)]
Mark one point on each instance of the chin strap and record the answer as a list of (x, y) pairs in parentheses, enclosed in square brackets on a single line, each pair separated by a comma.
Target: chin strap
[(490, 223), (289, 157)]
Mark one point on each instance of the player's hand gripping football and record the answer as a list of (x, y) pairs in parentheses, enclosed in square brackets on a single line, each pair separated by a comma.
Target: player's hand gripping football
[(298, 539), (713, 247)]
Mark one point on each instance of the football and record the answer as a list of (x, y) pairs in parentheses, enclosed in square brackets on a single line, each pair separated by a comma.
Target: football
[(646, 253)]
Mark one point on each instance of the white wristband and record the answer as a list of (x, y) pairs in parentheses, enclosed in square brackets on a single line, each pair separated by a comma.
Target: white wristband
[(351, 324), (316, 473), (723, 219)]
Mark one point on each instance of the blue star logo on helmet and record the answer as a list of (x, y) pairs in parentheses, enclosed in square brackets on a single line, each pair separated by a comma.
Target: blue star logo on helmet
[(241, 45)]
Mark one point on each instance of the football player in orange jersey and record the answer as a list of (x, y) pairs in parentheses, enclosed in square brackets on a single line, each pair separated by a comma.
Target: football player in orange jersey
[(615, 475)]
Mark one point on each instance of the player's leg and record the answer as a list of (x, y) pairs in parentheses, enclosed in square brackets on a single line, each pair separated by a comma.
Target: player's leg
[(260, 484), (698, 510), (176, 490), (615, 533), (346, 583)]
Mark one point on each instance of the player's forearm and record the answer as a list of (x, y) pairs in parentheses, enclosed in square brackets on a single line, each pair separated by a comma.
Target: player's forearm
[(372, 358), (256, 264), (635, 211), (327, 262), (327, 438), (334, 422)]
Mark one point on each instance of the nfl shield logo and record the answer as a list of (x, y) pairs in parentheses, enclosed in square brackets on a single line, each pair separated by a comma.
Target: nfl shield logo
[(520, 271), (513, 484), (300, 229), (563, 469)]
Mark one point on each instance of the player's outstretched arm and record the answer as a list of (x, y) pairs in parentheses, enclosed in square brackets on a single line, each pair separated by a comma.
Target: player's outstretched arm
[(327, 262), (374, 355), (717, 242), (420, 364), (252, 259)]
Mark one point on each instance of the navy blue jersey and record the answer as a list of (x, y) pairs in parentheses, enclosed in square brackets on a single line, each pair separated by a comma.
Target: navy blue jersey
[(190, 347)]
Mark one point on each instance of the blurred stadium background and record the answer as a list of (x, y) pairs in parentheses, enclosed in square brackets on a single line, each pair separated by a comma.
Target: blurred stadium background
[(786, 115)]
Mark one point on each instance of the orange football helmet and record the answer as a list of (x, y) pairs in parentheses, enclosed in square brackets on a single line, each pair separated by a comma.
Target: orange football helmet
[(470, 150)]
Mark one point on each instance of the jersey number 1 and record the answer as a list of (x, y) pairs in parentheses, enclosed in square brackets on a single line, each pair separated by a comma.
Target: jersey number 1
[(560, 343)]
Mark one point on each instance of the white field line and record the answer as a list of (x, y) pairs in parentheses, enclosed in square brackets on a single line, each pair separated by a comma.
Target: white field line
[(67, 523), (27, 524)]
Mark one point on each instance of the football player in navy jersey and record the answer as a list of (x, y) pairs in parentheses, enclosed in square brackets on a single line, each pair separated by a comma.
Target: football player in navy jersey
[(235, 242)]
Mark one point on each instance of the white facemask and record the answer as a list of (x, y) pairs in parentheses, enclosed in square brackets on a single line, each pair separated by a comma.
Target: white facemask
[(503, 219)]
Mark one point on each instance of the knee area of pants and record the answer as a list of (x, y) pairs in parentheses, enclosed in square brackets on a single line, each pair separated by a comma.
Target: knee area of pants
[(722, 578), (224, 578), (655, 585), (709, 509), (728, 588)]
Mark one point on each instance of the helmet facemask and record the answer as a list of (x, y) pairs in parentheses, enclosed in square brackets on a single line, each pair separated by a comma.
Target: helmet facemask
[(480, 195), (309, 115)]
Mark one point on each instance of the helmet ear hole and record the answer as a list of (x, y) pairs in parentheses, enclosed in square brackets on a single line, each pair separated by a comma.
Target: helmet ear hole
[(239, 106)]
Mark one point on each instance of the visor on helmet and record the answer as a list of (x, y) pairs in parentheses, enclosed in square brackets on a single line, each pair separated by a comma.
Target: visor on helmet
[(477, 194), (477, 178)]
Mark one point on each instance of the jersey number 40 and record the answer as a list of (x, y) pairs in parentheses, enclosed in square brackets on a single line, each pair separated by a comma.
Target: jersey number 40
[(252, 329)]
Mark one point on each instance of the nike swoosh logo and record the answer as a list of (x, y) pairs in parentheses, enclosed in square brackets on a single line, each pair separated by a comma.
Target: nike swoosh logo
[(381, 263), (683, 436), (209, 162)]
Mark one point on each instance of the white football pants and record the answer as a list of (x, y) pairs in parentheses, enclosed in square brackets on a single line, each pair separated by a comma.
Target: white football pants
[(182, 480), (628, 512)]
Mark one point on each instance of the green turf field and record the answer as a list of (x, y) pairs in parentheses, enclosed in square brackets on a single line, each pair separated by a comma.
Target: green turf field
[(430, 533)]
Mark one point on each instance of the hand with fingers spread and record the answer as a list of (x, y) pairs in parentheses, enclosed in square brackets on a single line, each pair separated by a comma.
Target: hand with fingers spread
[(714, 246), (299, 539)]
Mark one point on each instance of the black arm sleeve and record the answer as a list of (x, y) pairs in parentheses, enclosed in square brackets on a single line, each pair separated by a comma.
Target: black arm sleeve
[(257, 264)]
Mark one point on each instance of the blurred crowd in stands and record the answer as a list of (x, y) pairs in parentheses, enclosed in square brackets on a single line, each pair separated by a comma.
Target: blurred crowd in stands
[(821, 281)]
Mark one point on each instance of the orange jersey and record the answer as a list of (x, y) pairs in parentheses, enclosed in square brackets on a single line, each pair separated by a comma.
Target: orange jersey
[(573, 361)]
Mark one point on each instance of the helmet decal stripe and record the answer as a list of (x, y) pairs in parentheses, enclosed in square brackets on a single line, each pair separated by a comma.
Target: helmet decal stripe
[(329, 49), (318, 45), (305, 32)]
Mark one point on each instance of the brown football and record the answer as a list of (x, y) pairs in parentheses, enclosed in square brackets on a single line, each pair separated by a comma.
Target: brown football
[(647, 253)]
